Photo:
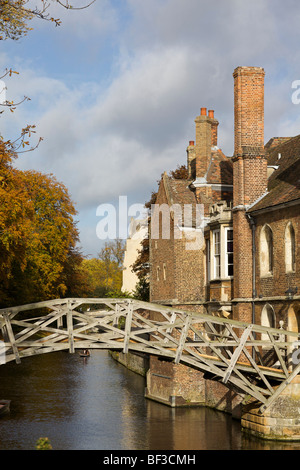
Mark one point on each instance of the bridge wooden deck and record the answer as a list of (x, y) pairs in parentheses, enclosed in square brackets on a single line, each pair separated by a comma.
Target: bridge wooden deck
[(230, 351)]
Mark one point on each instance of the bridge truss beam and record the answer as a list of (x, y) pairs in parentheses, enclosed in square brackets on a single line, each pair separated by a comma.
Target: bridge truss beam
[(236, 353)]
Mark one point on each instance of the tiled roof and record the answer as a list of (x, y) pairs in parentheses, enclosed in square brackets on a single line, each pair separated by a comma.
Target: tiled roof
[(220, 169), (284, 182), (276, 141), (178, 190)]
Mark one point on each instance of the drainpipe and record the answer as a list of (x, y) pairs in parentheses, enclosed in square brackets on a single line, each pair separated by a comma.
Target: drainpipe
[(253, 228)]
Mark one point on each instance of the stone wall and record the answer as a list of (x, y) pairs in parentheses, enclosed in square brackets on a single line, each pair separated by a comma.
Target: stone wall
[(279, 422)]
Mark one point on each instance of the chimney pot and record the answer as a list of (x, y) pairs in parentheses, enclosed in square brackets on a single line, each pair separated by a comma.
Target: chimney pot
[(203, 112), (192, 142), (211, 113)]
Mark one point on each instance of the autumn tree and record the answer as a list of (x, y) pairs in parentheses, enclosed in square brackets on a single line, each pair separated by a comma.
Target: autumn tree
[(13, 19), (180, 173), (38, 235), (104, 273), (112, 255), (93, 271), (15, 216), (53, 234), (16, 14), (39, 257)]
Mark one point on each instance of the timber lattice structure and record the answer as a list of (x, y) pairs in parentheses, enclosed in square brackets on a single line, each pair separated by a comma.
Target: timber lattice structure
[(252, 359)]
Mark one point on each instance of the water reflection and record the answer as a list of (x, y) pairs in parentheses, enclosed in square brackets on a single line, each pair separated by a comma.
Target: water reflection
[(191, 429), (96, 403)]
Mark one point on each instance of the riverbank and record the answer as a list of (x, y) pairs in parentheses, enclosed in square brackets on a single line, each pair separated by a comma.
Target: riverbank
[(138, 363)]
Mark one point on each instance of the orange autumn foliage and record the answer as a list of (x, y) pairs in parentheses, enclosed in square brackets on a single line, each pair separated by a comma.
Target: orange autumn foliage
[(39, 257)]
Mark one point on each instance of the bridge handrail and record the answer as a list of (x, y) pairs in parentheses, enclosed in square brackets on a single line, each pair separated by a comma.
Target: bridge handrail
[(196, 334), (76, 302)]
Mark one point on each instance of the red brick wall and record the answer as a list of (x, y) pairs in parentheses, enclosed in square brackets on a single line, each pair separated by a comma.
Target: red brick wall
[(189, 272), (184, 272), (277, 283), (255, 178), (162, 254), (175, 384)]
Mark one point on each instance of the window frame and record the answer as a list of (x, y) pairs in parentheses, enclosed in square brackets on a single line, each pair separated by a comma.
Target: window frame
[(227, 253), (290, 251), (266, 242), (208, 260), (164, 272), (216, 256), (268, 319)]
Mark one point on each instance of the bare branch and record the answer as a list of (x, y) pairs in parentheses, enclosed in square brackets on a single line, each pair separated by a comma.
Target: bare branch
[(70, 7), (8, 72), (18, 145), (14, 15), (11, 105)]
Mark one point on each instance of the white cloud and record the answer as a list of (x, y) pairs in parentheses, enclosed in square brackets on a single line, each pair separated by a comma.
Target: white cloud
[(100, 17), (112, 128), (103, 148)]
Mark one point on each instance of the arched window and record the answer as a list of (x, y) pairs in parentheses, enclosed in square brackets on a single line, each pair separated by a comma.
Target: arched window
[(266, 250), (267, 319), (294, 319), (165, 271), (293, 325), (290, 248)]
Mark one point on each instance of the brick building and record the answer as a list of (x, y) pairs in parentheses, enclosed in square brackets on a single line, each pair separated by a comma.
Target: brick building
[(241, 257)]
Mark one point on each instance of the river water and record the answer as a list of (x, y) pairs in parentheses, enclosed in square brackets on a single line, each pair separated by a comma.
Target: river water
[(97, 404)]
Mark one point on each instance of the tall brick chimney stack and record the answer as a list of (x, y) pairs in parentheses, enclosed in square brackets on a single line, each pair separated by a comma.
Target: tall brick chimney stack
[(250, 165), (203, 143), (249, 178), (191, 159), (214, 128), (206, 137)]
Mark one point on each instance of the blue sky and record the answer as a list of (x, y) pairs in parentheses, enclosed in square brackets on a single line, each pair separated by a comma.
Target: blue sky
[(116, 88)]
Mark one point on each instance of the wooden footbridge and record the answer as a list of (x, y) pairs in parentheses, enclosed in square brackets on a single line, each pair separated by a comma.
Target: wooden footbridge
[(252, 359)]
